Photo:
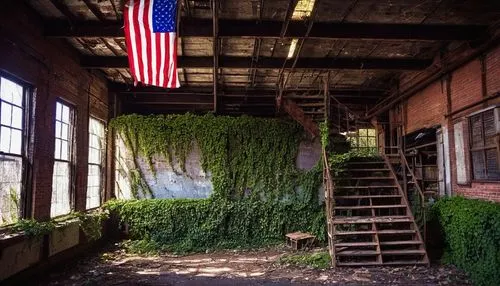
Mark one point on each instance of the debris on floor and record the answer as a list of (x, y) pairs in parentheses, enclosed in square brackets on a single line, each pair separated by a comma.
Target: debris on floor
[(256, 267)]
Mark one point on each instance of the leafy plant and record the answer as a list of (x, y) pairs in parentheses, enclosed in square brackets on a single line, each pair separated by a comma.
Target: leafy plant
[(91, 223), (471, 229), (246, 156), (33, 228), (318, 260), (187, 225)]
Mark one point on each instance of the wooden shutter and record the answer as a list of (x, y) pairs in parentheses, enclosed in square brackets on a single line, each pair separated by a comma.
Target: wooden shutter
[(476, 126), (489, 128), (458, 130), (484, 145)]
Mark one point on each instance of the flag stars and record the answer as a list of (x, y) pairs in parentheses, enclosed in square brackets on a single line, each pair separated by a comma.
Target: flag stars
[(164, 15)]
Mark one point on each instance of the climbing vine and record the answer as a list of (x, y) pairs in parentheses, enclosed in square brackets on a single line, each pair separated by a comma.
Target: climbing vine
[(91, 223), (258, 193), (471, 230), (247, 157)]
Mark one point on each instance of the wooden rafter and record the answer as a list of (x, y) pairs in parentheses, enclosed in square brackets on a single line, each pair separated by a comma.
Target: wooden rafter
[(192, 27), (273, 63)]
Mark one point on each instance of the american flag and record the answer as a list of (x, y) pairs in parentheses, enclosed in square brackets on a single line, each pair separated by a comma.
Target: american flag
[(151, 41)]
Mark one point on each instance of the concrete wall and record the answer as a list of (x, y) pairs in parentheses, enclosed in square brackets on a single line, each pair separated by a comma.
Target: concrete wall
[(195, 183), (429, 107), (19, 253)]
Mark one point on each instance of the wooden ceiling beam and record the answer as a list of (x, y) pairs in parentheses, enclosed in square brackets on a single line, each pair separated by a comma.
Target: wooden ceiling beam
[(97, 62), (192, 27), (96, 11)]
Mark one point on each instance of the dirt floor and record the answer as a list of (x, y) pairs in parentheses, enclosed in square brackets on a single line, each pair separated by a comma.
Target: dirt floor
[(116, 267)]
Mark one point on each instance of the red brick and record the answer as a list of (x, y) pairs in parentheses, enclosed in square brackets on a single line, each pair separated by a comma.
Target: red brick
[(52, 67)]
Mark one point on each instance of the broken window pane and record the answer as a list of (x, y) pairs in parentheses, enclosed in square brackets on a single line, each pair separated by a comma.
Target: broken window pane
[(11, 142), (10, 188), (60, 203)]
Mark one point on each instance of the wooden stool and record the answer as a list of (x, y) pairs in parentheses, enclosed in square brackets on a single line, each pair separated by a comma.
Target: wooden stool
[(297, 240)]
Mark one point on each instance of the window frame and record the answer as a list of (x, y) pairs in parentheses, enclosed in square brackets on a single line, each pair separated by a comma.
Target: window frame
[(484, 148), (26, 155), (71, 152), (355, 136), (102, 164)]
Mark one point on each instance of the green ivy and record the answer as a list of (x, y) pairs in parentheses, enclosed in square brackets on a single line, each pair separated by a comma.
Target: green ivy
[(317, 260), (471, 229), (258, 193), (91, 223), (33, 228), (187, 225), (245, 155)]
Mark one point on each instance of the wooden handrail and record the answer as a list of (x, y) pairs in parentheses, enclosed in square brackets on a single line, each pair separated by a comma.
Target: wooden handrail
[(329, 206)]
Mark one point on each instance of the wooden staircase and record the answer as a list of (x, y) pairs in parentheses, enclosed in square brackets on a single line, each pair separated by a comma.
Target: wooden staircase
[(372, 223)]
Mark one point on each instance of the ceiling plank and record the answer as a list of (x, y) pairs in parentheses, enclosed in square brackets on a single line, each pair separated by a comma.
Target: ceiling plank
[(96, 62), (191, 27), (94, 8)]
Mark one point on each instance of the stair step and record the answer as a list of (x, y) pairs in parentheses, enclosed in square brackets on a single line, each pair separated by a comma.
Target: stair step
[(367, 162), (366, 187), (405, 262), (363, 232), (396, 231), (367, 197), (381, 219), (364, 178), (351, 244), (403, 242), (357, 253), (368, 263), (369, 207), (368, 170), (403, 252)]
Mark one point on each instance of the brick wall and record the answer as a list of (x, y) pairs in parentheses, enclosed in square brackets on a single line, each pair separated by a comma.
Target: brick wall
[(51, 67), (466, 85), (429, 107), (466, 88), (426, 108), (493, 71)]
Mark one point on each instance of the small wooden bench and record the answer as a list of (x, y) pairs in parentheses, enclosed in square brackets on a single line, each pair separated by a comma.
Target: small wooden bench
[(298, 240)]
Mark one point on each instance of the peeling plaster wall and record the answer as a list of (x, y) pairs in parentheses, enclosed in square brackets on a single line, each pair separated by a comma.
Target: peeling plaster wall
[(194, 183)]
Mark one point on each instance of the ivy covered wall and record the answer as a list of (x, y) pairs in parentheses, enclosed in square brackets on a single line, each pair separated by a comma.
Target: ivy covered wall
[(183, 156), (169, 182), (258, 192)]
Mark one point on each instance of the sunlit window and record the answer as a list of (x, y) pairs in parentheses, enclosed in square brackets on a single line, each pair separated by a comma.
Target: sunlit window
[(61, 178), (363, 139), (96, 163), (12, 154)]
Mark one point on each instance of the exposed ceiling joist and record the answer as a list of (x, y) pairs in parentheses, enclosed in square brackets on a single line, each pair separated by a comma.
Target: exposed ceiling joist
[(96, 62), (191, 27), (204, 94)]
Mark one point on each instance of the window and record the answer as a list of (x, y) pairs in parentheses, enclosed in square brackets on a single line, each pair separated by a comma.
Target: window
[(363, 139), (61, 178), (96, 163), (484, 145), (12, 151)]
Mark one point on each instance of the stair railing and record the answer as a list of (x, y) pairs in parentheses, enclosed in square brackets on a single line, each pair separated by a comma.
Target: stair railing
[(329, 206), (406, 167)]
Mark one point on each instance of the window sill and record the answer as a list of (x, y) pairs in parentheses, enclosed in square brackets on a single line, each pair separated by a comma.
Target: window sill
[(8, 238), (486, 181)]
